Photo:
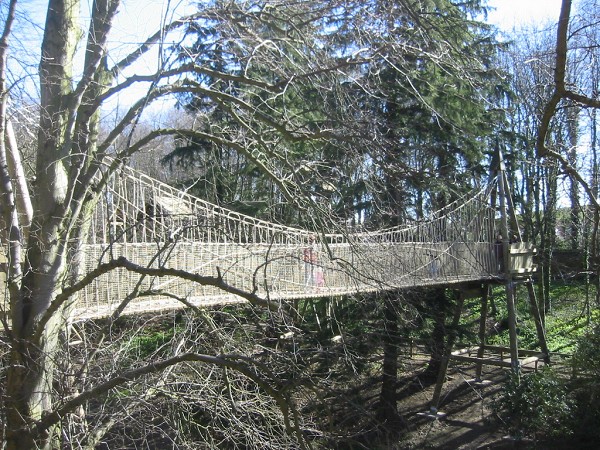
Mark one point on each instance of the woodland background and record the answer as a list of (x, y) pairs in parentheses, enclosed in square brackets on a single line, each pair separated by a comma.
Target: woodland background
[(317, 114)]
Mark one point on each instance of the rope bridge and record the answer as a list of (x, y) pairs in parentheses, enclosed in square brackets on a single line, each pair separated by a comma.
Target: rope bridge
[(158, 226)]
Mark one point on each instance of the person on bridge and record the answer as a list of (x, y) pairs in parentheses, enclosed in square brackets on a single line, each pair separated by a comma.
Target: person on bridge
[(499, 250), (313, 274)]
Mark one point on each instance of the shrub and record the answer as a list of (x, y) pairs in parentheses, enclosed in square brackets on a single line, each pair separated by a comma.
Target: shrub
[(586, 362), (537, 404), (587, 353)]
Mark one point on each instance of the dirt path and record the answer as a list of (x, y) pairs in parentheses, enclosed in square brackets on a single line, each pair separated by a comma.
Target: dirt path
[(468, 422)]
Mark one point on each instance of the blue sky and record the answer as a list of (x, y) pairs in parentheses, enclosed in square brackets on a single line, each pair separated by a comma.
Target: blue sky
[(513, 13), (137, 19)]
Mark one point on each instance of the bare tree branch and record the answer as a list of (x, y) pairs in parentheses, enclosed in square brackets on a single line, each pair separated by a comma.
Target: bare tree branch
[(560, 93)]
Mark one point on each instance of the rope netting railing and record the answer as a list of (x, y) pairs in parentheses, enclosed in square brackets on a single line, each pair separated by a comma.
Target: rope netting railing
[(155, 225)]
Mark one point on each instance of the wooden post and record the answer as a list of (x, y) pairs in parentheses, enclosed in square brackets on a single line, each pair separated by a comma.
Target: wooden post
[(510, 300), (512, 216), (482, 327), (435, 402), (539, 323)]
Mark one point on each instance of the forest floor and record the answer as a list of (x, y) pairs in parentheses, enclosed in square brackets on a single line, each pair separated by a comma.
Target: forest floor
[(469, 421)]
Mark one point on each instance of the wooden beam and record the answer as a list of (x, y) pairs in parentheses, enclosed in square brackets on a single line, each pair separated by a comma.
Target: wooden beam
[(535, 358), (462, 351), (507, 349), (487, 361), (482, 331), (495, 362)]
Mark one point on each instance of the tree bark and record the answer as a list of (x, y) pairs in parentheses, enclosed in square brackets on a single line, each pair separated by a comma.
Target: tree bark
[(388, 410), (17, 173), (34, 353), (438, 304)]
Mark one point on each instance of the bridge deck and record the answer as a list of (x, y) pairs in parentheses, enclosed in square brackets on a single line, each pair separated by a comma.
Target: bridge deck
[(278, 272), (157, 226)]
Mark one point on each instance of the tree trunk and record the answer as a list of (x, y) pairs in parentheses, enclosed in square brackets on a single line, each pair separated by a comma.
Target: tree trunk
[(388, 411), (548, 237), (574, 219), (592, 234), (438, 305), (15, 167), (35, 348)]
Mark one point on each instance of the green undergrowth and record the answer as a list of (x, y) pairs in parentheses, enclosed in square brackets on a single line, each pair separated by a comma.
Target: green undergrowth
[(567, 320), (330, 354), (151, 342), (536, 404), (557, 406)]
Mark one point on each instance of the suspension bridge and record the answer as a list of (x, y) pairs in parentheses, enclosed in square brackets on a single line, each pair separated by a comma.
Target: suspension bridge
[(157, 226)]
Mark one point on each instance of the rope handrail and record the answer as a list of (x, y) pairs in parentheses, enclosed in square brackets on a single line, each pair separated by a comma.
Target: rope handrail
[(154, 224), (454, 207)]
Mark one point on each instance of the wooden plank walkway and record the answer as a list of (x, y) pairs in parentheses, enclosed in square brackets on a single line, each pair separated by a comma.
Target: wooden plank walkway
[(278, 272), (157, 226)]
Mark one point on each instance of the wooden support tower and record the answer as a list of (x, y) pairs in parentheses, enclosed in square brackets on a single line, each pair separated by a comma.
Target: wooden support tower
[(515, 264), (508, 276)]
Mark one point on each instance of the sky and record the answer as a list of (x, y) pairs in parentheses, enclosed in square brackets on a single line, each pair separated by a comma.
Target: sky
[(509, 14), (137, 19), (135, 22)]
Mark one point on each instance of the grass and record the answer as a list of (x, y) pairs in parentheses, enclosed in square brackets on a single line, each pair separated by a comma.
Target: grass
[(567, 321)]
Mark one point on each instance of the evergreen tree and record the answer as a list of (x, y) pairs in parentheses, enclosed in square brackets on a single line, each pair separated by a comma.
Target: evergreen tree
[(379, 104)]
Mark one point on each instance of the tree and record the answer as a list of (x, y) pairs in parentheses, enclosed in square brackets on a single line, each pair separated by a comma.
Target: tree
[(43, 273), (43, 281), (433, 145), (429, 120), (541, 106), (575, 43)]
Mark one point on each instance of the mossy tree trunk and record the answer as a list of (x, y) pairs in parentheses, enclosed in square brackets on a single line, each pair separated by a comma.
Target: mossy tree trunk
[(67, 137)]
